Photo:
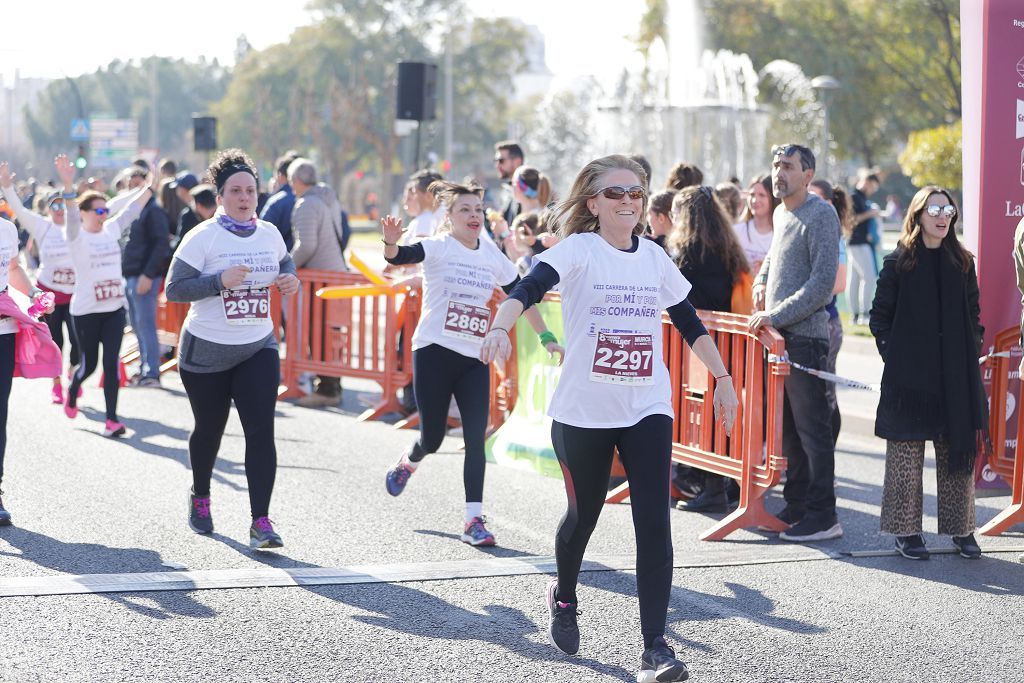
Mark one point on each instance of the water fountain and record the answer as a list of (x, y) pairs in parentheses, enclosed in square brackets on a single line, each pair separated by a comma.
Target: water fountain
[(692, 105)]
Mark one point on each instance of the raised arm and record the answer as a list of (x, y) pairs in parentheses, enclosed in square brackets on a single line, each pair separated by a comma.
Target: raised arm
[(72, 216), (28, 219)]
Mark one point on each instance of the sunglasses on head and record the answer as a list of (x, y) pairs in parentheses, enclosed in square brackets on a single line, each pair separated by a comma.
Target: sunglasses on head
[(948, 211), (101, 211), (618, 192)]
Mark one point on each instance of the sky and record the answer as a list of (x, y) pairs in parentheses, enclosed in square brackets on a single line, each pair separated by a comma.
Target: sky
[(109, 30)]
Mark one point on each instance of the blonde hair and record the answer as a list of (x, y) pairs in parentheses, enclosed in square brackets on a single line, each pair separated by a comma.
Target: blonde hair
[(572, 215)]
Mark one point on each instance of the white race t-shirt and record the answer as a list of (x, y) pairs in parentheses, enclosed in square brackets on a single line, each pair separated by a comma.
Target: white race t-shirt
[(56, 270), (755, 245), (240, 315), (423, 226), (8, 253), (614, 374), (99, 287), (457, 285)]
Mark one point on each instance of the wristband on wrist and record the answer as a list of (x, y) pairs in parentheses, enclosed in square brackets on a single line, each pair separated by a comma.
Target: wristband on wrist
[(68, 195), (547, 337), (722, 376), (500, 328), (390, 244)]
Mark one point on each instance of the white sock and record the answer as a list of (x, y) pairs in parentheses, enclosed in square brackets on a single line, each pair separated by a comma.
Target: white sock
[(409, 463), (474, 510)]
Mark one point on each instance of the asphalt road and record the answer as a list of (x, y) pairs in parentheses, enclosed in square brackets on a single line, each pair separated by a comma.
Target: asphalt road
[(750, 609)]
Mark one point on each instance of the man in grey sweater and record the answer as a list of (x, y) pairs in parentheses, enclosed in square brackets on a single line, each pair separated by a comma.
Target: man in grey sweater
[(316, 226), (790, 293)]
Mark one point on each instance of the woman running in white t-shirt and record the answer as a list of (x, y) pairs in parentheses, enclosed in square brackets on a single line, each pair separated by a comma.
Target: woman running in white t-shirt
[(56, 273), (11, 274), (614, 390), (460, 273), (225, 267), (97, 304)]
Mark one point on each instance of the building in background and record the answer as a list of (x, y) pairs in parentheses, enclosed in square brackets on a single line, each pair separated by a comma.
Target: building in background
[(21, 93)]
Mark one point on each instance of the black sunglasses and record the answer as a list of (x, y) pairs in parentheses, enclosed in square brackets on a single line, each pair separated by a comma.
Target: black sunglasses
[(618, 192)]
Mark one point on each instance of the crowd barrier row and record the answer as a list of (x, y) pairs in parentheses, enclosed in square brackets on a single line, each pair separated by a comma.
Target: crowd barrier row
[(353, 325)]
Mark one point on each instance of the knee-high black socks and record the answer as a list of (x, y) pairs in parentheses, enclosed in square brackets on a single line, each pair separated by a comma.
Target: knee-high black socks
[(439, 374), (585, 455), (252, 385)]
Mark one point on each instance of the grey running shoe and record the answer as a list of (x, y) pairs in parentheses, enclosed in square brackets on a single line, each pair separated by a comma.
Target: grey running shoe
[(5, 516), (199, 518), (563, 632), (658, 664), (262, 535)]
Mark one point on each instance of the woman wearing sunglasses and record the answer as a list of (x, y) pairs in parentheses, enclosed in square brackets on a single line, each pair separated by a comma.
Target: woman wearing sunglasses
[(614, 390), (56, 273), (925, 319), (97, 304)]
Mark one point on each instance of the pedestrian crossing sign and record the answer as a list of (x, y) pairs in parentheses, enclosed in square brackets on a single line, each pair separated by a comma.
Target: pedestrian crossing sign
[(79, 130)]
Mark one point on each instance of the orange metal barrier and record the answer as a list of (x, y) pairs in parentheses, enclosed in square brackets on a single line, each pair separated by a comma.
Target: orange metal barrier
[(752, 454), (1009, 468), (350, 336)]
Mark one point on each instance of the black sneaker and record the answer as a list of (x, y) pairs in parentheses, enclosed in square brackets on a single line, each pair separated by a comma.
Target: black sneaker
[(199, 518), (659, 664), (813, 529), (5, 516), (912, 547), (789, 516), (706, 501), (563, 632), (967, 546)]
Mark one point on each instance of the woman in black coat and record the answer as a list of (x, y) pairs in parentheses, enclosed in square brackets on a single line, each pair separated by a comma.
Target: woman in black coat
[(708, 253), (925, 319)]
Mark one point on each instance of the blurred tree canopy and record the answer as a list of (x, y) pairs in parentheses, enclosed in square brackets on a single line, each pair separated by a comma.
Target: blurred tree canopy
[(331, 88), (898, 60), (126, 90), (935, 157)]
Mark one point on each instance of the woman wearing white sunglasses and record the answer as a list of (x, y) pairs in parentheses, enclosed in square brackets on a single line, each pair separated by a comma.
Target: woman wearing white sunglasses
[(926, 323)]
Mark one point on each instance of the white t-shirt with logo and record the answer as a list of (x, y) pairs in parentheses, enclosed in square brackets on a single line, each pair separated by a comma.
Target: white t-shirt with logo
[(614, 374), (755, 245), (56, 270), (457, 285), (240, 315), (8, 253), (99, 286)]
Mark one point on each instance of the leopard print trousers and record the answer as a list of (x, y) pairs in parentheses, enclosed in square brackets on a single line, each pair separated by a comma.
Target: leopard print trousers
[(903, 497)]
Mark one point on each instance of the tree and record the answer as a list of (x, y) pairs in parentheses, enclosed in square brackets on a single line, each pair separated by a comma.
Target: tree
[(126, 90), (561, 137), (898, 60), (935, 157)]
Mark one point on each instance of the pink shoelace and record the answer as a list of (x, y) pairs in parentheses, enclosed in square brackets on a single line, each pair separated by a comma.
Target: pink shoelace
[(263, 524), (202, 506)]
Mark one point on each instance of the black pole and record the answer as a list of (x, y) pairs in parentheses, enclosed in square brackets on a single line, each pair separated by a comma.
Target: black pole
[(416, 158)]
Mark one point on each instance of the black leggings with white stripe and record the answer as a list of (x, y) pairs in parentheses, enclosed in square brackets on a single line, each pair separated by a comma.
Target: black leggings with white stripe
[(585, 455)]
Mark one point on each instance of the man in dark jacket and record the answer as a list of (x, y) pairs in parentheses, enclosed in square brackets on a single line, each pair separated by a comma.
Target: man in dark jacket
[(278, 209), (144, 263)]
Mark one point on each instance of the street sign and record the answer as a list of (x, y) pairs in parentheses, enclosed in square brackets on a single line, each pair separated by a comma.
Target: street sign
[(113, 143), (79, 130)]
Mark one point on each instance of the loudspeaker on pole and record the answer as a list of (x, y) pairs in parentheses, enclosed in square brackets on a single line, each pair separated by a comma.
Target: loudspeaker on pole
[(417, 91), (204, 133)]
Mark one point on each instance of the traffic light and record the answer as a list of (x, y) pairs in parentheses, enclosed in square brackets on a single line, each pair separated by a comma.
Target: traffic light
[(81, 162)]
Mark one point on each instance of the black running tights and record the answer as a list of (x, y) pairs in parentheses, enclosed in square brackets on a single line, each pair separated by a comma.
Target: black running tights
[(92, 330), (57, 321), (585, 455), (438, 374), (252, 384), (6, 377)]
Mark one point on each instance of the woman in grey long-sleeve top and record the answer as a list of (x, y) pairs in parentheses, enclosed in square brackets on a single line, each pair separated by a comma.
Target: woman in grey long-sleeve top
[(225, 267)]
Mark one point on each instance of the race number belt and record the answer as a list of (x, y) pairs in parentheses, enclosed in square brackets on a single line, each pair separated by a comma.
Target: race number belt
[(108, 289), (466, 321), (246, 306), (64, 276), (623, 358)]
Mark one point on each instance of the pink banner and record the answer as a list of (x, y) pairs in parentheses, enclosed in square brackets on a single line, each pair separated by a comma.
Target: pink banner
[(992, 47)]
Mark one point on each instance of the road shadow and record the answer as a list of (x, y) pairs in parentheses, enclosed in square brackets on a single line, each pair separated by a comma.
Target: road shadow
[(93, 558), (493, 551), (990, 574), (400, 608)]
